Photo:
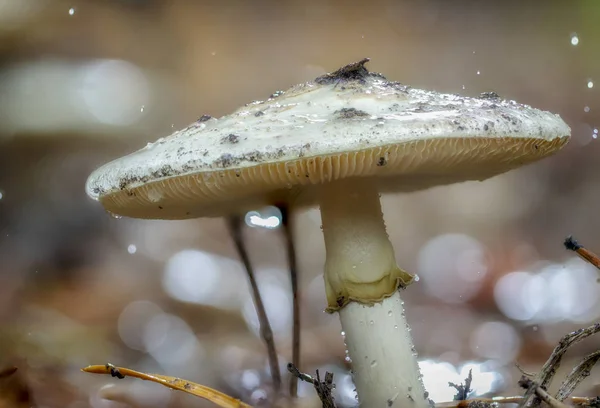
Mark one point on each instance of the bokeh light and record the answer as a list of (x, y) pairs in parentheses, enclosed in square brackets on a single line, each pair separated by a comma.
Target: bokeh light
[(133, 321), (171, 342), (88, 95), (574, 39), (496, 341), (437, 375), (200, 277), (268, 217), (452, 267), (551, 293)]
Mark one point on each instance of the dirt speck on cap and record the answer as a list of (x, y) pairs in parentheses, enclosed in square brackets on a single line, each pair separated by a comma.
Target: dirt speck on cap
[(230, 138), (225, 160), (489, 95), (349, 113), (351, 72)]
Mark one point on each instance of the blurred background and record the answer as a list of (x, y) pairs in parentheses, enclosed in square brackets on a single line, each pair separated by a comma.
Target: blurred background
[(85, 81)]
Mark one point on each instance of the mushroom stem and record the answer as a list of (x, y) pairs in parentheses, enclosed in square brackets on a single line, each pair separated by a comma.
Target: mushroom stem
[(384, 359), (362, 282)]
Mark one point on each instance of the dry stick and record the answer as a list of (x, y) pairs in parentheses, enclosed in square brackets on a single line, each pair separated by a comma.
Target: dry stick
[(577, 375), (235, 229), (572, 245), (291, 253), (198, 390), (586, 401), (545, 376), (541, 393), (479, 401), (476, 402), (323, 388)]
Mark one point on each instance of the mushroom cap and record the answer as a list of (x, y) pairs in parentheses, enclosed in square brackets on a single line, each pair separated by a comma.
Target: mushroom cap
[(349, 123)]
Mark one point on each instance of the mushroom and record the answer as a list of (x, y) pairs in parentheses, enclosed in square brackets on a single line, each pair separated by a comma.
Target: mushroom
[(337, 141)]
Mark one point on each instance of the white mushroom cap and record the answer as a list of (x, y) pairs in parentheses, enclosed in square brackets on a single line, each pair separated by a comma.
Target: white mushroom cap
[(350, 123)]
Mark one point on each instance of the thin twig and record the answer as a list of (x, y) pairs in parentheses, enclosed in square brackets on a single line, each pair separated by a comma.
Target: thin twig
[(324, 388), (235, 229), (577, 375), (291, 253), (545, 376), (202, 391), (522, 370), (572, 245), (541, 393)]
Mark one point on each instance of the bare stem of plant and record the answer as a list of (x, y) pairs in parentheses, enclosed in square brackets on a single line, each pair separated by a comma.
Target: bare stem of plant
[(577, 375), (235, 229), (323, 388), (545, 376), (291, 253)]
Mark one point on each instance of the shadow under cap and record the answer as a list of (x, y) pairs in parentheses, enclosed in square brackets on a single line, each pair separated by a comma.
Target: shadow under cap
[(349, 123)]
